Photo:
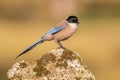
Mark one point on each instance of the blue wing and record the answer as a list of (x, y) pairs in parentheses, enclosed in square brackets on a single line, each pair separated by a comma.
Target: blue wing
[(55, 30)]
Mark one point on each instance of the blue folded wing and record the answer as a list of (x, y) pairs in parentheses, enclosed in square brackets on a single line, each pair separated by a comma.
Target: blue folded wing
[(55, 30)]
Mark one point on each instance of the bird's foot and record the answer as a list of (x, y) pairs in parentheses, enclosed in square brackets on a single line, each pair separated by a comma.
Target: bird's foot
[(62, 48)]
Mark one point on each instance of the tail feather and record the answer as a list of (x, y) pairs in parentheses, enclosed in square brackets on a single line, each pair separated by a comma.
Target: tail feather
[(30, 47)]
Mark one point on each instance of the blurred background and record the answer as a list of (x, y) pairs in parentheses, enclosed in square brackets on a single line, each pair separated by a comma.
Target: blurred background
[(23, 22)]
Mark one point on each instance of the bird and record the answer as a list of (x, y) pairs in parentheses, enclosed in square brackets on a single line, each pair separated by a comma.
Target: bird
[(62, 31)]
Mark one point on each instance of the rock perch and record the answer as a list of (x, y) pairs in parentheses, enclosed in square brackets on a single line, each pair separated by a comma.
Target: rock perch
[(57, 64)]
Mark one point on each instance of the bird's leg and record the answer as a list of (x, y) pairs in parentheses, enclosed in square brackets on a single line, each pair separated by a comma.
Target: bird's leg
[(60, 45)]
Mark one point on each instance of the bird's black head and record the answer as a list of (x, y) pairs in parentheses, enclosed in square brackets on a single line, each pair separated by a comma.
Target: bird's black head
[(72, 19)]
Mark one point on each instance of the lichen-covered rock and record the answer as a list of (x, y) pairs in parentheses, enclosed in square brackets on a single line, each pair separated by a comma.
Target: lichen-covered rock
[(57, 64)]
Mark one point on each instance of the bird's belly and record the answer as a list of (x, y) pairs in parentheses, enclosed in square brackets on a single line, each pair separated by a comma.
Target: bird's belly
[(63, 35), (61, 38)]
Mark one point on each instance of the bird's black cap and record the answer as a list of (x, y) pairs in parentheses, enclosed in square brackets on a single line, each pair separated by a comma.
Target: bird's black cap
[(72, 19)]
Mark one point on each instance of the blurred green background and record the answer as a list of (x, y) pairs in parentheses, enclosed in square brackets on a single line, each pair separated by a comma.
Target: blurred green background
[(23, 22)]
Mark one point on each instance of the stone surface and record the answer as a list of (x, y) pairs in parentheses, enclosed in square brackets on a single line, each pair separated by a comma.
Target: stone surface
[(57, 64)]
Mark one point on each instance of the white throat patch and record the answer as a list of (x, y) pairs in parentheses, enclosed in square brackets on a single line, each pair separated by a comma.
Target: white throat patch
[(73, 25)]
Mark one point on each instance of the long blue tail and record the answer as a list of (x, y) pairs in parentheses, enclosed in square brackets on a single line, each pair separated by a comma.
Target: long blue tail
[(30, 47)]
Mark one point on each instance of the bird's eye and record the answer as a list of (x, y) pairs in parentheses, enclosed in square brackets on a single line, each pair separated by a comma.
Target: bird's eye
[(74, 19)]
